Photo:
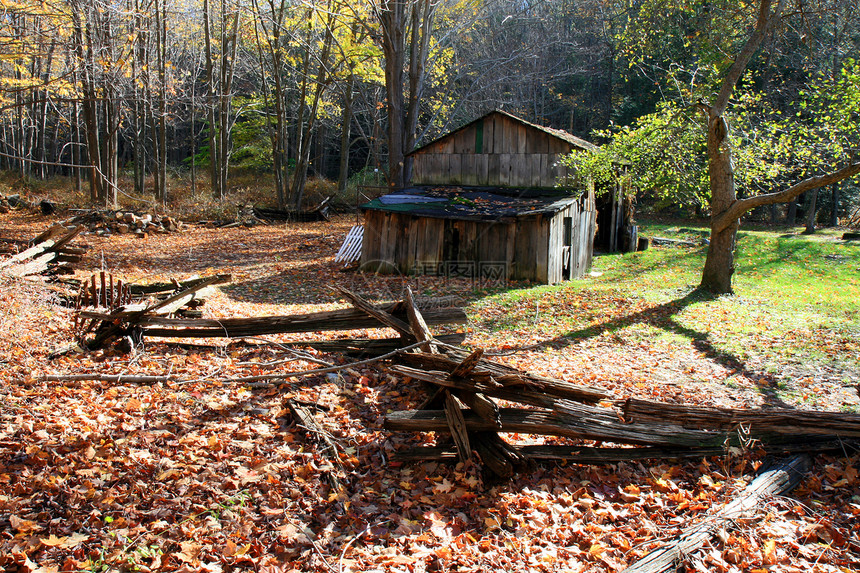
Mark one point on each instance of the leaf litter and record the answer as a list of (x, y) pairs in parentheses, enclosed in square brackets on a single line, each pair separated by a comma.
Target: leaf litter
[(199, 475)]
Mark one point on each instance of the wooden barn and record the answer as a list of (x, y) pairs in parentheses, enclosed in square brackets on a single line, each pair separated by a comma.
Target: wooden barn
[(484, 204)]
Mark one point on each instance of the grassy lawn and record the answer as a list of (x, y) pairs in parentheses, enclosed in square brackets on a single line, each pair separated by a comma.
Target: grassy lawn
[(796, 311)]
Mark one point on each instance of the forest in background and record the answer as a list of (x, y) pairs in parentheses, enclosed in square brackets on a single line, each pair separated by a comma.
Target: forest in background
[(149, 89)]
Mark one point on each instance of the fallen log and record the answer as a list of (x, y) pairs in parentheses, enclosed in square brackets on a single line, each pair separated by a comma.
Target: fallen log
[(586, 422), (501, 374), (457, 426), (502, 458), (344, 319), (775, 420), (665, 241), (776, 480), (370, 345), (169, 287), (113, 378), (305, 420), (588, 455), (382, 316), (417, 323), (598, 427)]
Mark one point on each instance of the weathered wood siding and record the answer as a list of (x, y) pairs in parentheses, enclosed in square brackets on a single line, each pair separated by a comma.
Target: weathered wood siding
[(494, 151), (529, 248)]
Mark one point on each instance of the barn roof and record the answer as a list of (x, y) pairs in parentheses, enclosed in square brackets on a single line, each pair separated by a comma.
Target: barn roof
[(557, 133), (473, 203)]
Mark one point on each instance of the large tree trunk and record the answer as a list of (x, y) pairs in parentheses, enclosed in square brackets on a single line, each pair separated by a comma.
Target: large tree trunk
[(720, 262), (405, 40)]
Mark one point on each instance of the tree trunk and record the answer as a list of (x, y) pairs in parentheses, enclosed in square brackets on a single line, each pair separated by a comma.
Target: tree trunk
[(834, 213), (346, 123), (810, 215), (791, 216), (211, 82), (720, 261)]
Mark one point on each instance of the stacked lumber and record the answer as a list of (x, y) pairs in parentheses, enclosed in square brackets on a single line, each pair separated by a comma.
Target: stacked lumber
[(48, 253)]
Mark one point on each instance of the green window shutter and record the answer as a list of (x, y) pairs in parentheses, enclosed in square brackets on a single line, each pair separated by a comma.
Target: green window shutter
[(479, 137)]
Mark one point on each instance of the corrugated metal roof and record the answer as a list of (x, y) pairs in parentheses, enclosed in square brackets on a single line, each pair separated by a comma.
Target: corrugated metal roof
[(473, 203), (557, 133)]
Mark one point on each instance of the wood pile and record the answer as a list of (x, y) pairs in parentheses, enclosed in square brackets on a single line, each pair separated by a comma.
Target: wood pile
[(160, 320), (103, 293), (108, 222), (50, 253), (10, 202), (475, 400)]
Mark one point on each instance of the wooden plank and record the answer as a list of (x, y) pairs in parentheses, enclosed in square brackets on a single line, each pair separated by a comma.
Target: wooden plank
[(522, 138), (455, 169), (545, 172), (470, 176), (499, 145), (464, 142), (350, 250), (557, 145), (457, 426), (30, 253), (541, 251), (482, 165), (554, 253), (418, 326), (446, 146), (505, 160), (418, 166), (533, 166), (494, 169), (34, 266), (489, 133)]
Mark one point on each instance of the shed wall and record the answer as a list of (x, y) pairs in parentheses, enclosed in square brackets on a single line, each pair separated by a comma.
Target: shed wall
[(495, 151), (525, 248)]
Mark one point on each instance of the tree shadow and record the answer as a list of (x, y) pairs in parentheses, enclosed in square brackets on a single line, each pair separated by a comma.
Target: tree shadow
[(664, 317)]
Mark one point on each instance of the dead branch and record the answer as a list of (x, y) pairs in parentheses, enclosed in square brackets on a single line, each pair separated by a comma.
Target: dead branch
[(777, 480)]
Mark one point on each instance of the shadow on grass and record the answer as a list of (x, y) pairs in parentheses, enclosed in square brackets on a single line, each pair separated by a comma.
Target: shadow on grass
[(664, 317)]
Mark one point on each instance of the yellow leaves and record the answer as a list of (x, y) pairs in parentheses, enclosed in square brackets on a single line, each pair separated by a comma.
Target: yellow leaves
[(630, 493), (596, 550), (189, 551), (133, 405), (65, 542), (769, 552), (24, 526), (172, 473)]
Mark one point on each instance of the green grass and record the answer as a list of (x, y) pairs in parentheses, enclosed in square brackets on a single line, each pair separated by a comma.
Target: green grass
[(796, 302)]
